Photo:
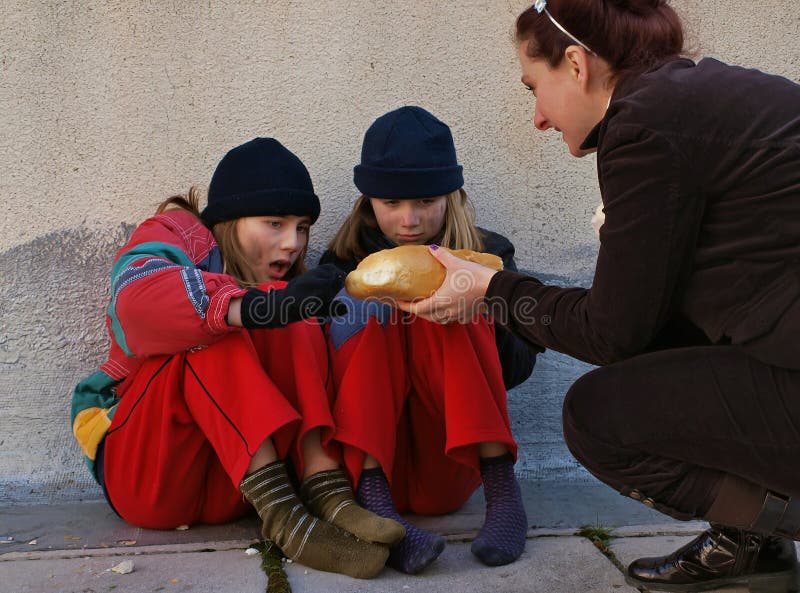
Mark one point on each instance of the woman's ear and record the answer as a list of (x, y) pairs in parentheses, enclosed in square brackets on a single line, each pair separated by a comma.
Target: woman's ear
[(577, 60)]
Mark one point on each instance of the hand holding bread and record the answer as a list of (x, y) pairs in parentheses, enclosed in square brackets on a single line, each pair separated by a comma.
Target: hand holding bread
[(407, 272)]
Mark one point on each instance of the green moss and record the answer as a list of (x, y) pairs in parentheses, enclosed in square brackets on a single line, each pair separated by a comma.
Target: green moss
[(599, 535)]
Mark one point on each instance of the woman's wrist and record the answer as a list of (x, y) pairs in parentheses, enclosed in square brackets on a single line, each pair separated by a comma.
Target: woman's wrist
[(234, 316), (483, 281)]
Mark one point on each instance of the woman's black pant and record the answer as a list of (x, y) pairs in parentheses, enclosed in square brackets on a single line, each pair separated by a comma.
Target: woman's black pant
[(666, 427)]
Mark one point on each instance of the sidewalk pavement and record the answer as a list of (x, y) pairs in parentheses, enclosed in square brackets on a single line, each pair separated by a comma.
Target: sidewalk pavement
[(71, 549)]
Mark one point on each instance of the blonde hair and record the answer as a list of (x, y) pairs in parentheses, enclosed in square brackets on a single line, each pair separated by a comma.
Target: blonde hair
[(234, 260), (458, 230)]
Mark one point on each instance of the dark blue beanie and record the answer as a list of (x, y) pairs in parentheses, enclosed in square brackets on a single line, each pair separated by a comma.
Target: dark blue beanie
[(408, 153), (260, 178)]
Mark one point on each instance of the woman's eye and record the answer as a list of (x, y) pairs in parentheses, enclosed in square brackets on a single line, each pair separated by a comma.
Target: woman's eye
[(275, 224), (427, 201), (532, 89), (302, 229)]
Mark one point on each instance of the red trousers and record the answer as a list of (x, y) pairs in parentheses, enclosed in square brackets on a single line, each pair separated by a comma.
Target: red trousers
[(419, 397), (188, 424)]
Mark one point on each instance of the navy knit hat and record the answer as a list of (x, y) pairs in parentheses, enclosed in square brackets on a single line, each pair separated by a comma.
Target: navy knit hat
[(260, 178), (408, 153)]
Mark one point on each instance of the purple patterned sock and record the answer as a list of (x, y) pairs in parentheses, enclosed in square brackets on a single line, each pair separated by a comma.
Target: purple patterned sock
[(418, 548), (501, 540)]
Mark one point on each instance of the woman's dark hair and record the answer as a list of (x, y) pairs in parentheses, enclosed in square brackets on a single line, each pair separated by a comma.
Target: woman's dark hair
[(631, 35)]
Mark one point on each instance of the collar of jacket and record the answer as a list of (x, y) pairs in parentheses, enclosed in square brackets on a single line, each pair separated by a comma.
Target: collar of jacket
[(373, 240), (621, 90)]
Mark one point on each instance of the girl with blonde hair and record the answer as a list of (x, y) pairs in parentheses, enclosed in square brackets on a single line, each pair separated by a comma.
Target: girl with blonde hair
[(422, 407)]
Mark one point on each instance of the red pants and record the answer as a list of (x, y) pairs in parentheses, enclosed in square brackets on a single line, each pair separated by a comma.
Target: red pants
[(188, 424), (419, 397)]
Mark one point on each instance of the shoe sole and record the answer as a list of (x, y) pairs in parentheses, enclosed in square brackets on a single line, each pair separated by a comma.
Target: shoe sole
[(779, 582)]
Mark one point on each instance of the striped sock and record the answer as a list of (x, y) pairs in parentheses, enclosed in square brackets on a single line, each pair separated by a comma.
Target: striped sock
[(328, 495), (501, 540), (418, 548), (302, 537)]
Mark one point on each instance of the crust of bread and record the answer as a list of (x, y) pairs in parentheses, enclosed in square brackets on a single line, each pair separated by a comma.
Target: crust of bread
[(407, 272)]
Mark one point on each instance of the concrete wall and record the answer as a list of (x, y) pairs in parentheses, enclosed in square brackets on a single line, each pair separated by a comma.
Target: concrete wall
[(108, 107)]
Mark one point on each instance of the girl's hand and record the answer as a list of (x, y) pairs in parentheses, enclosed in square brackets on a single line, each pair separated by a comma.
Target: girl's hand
[(303, 297), (460, 297)]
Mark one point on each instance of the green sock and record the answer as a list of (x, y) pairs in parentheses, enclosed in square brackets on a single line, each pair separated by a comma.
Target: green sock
[(302, 537), (328, 495)]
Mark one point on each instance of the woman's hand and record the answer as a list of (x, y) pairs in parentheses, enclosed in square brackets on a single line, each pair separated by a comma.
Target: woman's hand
[(460, 297)]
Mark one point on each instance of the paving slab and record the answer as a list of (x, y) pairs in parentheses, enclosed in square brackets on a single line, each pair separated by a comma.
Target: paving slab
[(221, 571), (549, 565), (82, 525), (655, 529)]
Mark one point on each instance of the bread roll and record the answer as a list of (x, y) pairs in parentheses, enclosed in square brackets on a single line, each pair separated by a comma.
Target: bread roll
[(407, 272)]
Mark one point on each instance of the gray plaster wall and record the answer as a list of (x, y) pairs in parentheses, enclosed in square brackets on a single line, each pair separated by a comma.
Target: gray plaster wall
[(106, 108)]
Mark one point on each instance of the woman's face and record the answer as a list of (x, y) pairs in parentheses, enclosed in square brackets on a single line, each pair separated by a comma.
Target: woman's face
[(562, 100), (410, 222), (272, 243)]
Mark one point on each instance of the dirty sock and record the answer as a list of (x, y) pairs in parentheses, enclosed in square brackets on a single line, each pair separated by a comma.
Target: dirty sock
[(418, 548), (501, 540), (308, 540), (328, 495)]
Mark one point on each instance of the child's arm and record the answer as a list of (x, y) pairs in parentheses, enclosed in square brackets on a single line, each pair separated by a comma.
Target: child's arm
[(161, 302)]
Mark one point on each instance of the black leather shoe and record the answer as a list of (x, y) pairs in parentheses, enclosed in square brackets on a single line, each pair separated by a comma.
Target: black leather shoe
[(721, 557)]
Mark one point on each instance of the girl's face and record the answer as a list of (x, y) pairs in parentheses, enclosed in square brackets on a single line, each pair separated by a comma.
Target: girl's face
[(272, 243), (410, 222), (562, 100)]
